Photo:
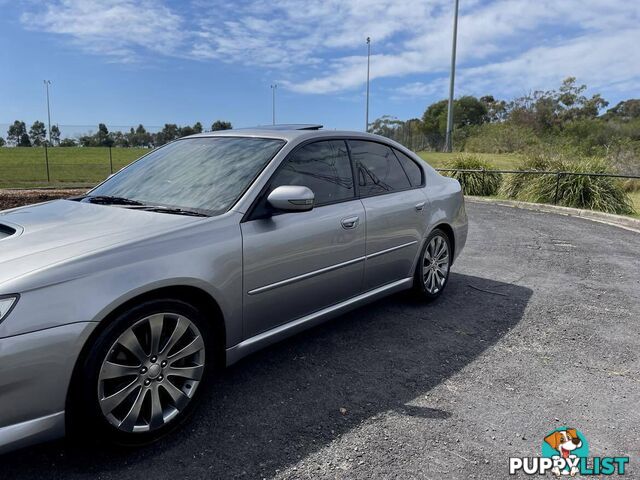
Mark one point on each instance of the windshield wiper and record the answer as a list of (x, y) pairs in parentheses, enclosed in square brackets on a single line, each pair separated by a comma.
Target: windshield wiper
[(173, 210), (109, 200)]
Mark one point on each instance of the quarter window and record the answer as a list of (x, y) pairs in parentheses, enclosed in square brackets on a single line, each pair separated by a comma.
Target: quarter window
[(377, 168), (413, 171), (324, 167)]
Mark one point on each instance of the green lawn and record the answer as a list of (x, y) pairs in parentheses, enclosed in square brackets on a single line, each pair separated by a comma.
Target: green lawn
[(81, 166), (499, 161)]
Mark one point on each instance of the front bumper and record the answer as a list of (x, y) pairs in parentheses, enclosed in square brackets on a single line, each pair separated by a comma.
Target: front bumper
[(35, 371)]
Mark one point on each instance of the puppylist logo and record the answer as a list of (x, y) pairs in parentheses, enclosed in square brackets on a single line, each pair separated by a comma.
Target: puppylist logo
[(565, 451)]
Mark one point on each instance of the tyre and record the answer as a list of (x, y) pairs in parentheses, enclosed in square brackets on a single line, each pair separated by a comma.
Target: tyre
[(141, 377), (432, 270)]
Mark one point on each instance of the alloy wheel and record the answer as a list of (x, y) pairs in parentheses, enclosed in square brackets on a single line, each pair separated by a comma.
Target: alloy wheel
[(151, 372), (435, 265)]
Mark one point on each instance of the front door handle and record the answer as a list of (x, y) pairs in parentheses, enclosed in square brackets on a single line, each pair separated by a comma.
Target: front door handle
[(350, 222), (420, 206)]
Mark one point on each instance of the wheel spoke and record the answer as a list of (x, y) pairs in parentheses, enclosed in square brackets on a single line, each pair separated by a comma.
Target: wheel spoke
[(113, 370), (442, 260), (109, 403), (155, 324), (131, 418), (157, 417), (129, 341), (194, 346), (178, 396), (180, 329), (192, 373), (432, 283)]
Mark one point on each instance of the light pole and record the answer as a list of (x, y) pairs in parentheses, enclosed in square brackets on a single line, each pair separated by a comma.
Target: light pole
[(46, 86), (448, 147), (366, 126), (273, 100)]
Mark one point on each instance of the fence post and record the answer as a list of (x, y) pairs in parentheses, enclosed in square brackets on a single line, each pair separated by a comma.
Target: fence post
[(46, 159), (555, 198), (110, 161), (483, 187)]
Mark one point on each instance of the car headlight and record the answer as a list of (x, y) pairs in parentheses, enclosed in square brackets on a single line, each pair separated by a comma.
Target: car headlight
[(6, 305)]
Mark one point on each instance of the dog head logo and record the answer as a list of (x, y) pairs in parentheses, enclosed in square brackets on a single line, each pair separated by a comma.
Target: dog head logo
[(567, 444)]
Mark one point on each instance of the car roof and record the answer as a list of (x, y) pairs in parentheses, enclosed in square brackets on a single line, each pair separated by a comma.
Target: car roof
[(290, 132)]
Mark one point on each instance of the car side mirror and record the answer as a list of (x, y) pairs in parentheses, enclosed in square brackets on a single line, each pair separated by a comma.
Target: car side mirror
[(291, 198)]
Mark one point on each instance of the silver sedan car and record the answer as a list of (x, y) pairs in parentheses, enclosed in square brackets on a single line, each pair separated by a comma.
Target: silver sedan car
[(116, 306)]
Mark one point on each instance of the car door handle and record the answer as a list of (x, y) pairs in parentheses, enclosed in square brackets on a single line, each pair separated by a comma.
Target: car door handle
[(420, 206), (350, 222)]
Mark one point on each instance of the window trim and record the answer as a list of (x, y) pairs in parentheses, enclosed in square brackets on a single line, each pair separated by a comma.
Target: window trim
[(249, 215), (263, 192), (422, 175), (396, 157)]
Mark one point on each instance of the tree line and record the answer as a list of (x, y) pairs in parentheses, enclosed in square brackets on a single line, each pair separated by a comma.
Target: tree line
[(564, 119), (36, 136)]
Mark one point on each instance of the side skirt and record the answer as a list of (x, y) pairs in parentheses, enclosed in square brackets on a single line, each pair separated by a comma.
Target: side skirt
[(257, 342)]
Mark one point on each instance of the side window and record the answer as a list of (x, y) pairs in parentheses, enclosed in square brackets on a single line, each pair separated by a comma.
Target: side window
[(322, 166), (413, 171), (377, 168)]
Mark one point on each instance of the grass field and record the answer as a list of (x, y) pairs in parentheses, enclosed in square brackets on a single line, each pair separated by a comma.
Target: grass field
[(86, 166), (26, 167), (499, 161)]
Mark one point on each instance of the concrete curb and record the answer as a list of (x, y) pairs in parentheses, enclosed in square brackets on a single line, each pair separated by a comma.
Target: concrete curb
[(620, 221)]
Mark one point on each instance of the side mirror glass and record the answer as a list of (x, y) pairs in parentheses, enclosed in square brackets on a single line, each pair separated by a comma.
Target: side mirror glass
[(291, 198)]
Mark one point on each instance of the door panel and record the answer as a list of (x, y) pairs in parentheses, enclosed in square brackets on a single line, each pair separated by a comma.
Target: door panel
[(395, 228), (298, 263)]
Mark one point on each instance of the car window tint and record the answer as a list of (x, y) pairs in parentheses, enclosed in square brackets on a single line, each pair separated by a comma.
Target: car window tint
[(324, 167), (413, 171), (377, 167)]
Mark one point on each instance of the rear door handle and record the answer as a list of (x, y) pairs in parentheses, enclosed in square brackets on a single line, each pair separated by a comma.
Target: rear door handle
[(350, 222), (420, 206)]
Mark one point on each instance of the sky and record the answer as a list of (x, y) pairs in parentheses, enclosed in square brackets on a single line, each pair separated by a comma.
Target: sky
[(124, 62)]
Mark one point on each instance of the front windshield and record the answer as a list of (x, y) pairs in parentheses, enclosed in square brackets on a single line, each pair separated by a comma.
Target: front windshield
[(206, 173)]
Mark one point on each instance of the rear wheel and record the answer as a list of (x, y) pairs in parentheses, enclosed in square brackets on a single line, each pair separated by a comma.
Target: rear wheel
[(144, 372), (432, 271)]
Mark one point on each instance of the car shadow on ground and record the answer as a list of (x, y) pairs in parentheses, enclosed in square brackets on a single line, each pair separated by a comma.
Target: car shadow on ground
[(276, 407)]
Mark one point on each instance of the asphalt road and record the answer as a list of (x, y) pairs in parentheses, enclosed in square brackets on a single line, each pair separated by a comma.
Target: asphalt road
[(539, 327)]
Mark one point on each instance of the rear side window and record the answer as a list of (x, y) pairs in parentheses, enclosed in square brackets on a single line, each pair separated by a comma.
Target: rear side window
[(377, 168), (322, 166), (413, 171)]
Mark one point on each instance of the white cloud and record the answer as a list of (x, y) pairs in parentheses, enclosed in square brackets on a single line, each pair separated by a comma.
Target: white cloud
[(318, 47), (117, 28)]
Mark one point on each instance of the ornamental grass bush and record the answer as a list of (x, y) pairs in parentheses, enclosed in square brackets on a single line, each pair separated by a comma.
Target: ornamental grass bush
[(604, 194), (474, 183)]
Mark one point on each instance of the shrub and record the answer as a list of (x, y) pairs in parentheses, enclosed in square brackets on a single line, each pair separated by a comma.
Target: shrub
[(474, 183), (590, 192), (503, 137)]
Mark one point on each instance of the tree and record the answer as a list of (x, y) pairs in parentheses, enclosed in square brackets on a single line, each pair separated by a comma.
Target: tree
[(55, 135), (15, 133), (38, 133), (197, 127), (142, 137), (2, 142), (496, 109), (103, 139), (169, 132), (625, 110), (221, 125), (24, 141), (68, 142)]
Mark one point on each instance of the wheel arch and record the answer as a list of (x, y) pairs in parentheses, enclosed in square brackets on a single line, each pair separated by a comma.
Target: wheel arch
[(448, 230), (190, 294)]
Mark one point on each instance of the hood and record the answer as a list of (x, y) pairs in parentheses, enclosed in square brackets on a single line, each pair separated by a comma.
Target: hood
[(38, 236)]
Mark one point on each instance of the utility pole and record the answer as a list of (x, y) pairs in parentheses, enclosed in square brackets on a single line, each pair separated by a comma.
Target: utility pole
[(46, 86), (448, 143), (273, 111), (366, 126)]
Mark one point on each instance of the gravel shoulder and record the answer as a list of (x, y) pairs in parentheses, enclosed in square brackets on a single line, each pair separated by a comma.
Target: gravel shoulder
[(539, 328)]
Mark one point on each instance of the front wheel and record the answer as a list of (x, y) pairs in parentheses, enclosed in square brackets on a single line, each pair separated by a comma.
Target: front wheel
[(142, 375), (432, 271)]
